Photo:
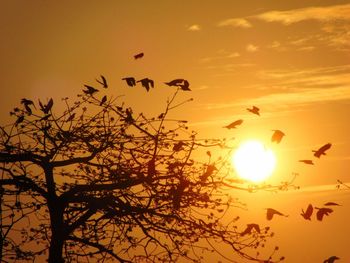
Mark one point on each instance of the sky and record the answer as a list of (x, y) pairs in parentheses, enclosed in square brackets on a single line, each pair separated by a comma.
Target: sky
[(289, 58)]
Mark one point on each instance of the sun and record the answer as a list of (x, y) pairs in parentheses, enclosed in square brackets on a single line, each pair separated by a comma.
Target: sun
[(253, 161)]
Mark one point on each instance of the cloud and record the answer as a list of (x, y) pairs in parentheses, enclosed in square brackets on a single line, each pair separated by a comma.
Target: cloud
[(222, 54), (326, 13), (235, 22), (194, 27), (252, 48)]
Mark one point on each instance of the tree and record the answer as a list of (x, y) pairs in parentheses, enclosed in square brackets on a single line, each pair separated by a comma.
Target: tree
[(99, 181)]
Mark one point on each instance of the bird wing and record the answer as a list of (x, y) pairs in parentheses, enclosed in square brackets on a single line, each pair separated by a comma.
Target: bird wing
[(331, 204), (234, 124), (309, 210), (175, 82), (325, 147)]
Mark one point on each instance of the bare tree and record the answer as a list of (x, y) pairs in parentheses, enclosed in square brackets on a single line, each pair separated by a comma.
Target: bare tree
[(99, 181)]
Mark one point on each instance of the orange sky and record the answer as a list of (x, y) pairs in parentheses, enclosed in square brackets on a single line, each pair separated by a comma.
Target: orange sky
[(290, 58)]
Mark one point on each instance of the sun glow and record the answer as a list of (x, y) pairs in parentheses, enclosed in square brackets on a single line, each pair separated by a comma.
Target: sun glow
[(253, 161)]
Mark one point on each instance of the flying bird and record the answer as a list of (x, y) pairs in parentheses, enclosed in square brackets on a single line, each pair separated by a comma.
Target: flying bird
[(103, 82), (322, 150), (90, 90), (139, 55), (146, 83), (249, 229), (254, 110), (271, 212), (307, 162), (322, 212), (277, 136), (181, 83), (331, 259), (331, 204), (46, 108), (307, 214), (234, 124), (130, 81)]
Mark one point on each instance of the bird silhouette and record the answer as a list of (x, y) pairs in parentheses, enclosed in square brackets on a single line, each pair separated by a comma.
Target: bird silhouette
[(146, 83), (307, 214), (181, 83), (331, 204), (71, 117), (331, 259), (322, 150), (307, 162), (322, 212), (210, 169), (103, 100), (26, 104), (130, 81), (271, 212), (234, 124), (254, 110), (103, 82), (249, 229), (19, 120), (46, 108), (139, 55), (277, 136), (90, 90)]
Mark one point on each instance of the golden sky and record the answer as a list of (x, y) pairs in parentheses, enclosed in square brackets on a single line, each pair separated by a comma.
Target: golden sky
[(289, 58)]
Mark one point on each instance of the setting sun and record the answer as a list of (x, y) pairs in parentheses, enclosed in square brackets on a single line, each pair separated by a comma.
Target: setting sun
[(253, 161)]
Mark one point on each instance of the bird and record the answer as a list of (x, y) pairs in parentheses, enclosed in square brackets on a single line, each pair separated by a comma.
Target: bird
[(146, 83), (249, 229), (210, 169), (26, 104), (271, 212), (322, 212), (322, 150), (277, 136), (71, 117), (130, 81), (254, 110), (234, 124), (46, 108), (90, 90), (139, 55), (103, 100), (307, 214), (331, 259), (331, 204), (19, 120), (307, 162), (181, 83), (103, 82)]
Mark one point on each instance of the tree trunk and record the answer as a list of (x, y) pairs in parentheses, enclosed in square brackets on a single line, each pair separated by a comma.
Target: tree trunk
[(58, 229), (58, 234)]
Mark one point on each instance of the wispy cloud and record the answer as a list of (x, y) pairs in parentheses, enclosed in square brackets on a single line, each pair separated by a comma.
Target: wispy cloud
[(194, 27), (221, 54), (292, 89), (327, 13), (235, 22), (252, 48)]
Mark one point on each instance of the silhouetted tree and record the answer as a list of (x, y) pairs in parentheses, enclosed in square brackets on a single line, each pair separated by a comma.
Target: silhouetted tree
[(100, 181)]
